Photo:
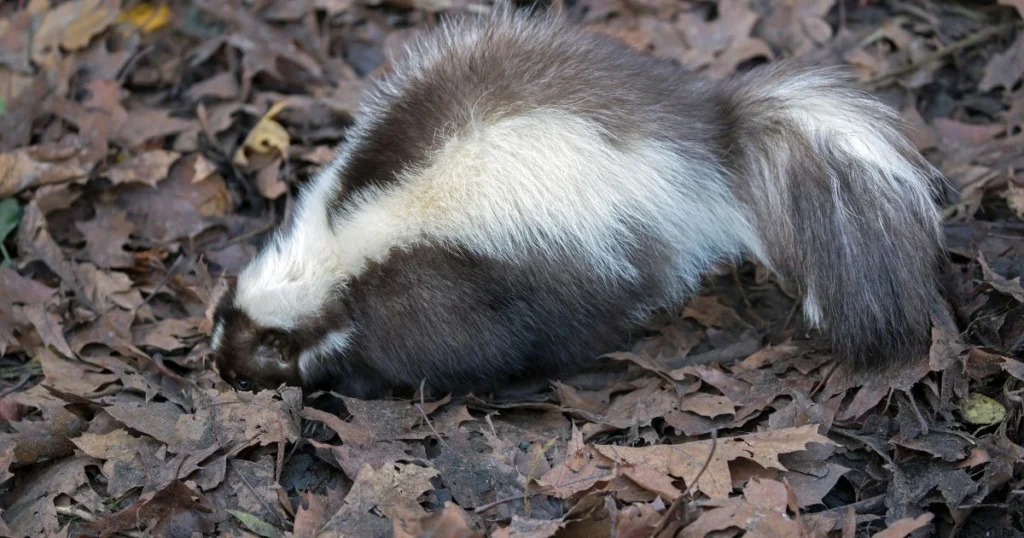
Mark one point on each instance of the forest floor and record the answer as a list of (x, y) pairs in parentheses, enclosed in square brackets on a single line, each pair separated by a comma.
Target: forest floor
[(146, 148)]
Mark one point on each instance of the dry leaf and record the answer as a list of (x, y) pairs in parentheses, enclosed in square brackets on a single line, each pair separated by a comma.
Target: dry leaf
[(265, 137), (147, 17), (35, 166), (906, 526), (148, 168), (686, 460), (760, 512)]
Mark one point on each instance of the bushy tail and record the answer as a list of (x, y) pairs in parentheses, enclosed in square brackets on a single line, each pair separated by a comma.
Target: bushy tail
[(843, 205)]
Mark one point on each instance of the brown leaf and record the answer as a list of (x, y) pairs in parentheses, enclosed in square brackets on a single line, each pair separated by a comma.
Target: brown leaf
[(262, 45), (348, 433), (71, 26), (177, 507), (105, 238), (451, 521), (108, 288), (1014, 196), (1019, 4), (999, 283), (46, 439), (156, 419), (529, 528), (16, 40), (390, 420), (148, 168), (16, 289), (685, 460), (580, 470), (178, 207), (393, 490), (29, 508), (44, 164), (906, 526), (145, 124), (1004, 69), (169, 334), (244, 419), (268, 180), (798, 25), (49, 326), (36, 243), (708, 405), (221, 86), (73, 376), (310, 516), (954, 133), (128, 460), (760, 512)]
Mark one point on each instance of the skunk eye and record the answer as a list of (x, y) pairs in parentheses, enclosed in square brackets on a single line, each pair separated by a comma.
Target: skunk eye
[(243, 384)]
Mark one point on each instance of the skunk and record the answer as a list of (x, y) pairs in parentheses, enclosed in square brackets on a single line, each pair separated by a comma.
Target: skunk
[(519, 193)]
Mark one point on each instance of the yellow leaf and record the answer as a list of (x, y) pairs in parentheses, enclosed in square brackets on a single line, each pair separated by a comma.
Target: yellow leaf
[(146, 17), (982, 410), (266, 136)]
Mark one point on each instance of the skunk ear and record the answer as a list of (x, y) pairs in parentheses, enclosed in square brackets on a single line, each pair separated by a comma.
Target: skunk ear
[(277, 345)]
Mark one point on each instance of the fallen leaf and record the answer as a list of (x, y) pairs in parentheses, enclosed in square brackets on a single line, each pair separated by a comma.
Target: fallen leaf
[(529, 528), (177, 507), (798, 25), (128, 460), (906, 526), (685, 460), (452, 522), (393, 490), (310, 516), (147, 17), (982, 410), (268, 181), (178, 208), (761, 511), (265, 137), (142, 125), (1012, 288), (255, 524), (708, 405), (49, 326), (148, 168), (105, 238), (71, 26), (35, 166), (954, 133), (1013, 195)]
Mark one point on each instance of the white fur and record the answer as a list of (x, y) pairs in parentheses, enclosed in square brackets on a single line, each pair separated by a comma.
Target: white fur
[(838, 120), (544, 180), (311, 364), (218, 336)]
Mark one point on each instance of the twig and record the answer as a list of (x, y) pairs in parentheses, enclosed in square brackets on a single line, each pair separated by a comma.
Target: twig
[(968, 41), (483, 508), (159, 286), (691, 488), (71, 511), (420, 406), (21, 383), (687, 497), (824, 380)]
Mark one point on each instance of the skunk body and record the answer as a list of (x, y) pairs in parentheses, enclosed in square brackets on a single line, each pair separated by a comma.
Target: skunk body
[(519, 193)]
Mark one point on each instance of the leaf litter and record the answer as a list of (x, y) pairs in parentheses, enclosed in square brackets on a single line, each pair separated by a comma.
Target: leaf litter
[(146, 148)]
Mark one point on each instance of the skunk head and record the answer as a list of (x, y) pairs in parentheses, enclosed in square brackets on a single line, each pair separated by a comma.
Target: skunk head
[(252, 352)]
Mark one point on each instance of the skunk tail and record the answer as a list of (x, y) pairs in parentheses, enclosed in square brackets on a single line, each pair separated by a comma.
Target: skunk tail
[(843, 206)]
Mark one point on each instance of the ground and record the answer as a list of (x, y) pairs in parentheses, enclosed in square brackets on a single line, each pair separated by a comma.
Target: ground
[(145, 148)]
